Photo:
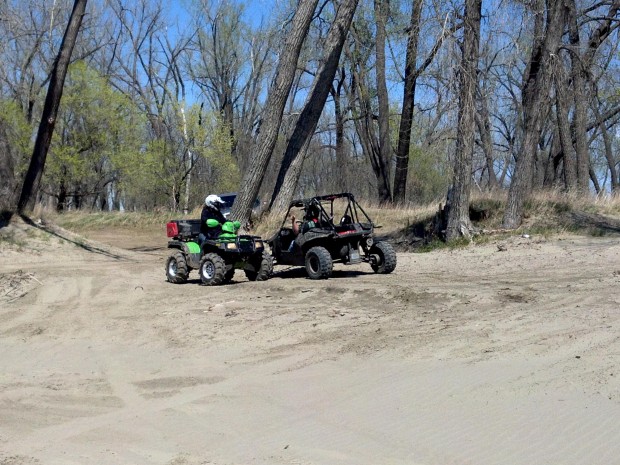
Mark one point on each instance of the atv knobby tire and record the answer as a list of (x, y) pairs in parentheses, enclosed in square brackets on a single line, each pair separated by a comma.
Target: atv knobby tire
[(212, 269), (382, 258), (177, 270), (263, 269), (319, 263), (228, 276)]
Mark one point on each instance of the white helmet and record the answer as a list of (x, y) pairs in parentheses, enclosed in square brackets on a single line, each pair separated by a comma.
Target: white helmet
[(214, 201)]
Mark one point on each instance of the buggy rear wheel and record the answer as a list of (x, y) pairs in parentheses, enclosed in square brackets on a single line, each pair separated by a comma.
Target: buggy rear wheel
[(382, 258), (263, 269), (319, 263), (212, 269), (177, 270)]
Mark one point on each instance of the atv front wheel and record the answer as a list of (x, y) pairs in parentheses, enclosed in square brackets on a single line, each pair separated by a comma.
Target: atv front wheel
[(318, 263), (382, 258), (263, 269), (212, 269), (177, 271)]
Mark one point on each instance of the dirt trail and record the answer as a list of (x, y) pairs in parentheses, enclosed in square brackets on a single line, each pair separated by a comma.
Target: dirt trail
[(473, 356)]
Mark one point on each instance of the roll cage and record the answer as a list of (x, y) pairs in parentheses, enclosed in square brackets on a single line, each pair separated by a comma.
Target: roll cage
[(352, 213)]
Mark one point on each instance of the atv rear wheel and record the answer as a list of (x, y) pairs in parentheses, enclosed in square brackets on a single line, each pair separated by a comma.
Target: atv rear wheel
[(262, 269), (228, 276), (382, 258), (212, 269), (177, 270), (319, 263)]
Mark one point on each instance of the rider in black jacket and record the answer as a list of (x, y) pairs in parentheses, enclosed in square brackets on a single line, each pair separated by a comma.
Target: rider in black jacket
[(211, 210)]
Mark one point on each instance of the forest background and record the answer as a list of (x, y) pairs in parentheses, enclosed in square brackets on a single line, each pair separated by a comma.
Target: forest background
[(424, 100)]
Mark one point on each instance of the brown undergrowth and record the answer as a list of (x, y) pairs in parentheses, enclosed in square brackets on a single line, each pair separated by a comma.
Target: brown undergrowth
[(409, 228)]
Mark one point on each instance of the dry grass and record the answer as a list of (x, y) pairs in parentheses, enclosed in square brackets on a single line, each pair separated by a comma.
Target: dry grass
[(81, 221), (546, 213), (553, 212), (388, 219)]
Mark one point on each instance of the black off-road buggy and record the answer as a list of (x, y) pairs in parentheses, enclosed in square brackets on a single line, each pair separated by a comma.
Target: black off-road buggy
[(215, 259), (347, 238)]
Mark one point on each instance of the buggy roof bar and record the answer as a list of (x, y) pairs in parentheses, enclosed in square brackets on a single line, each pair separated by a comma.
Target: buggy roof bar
[(309, 200)]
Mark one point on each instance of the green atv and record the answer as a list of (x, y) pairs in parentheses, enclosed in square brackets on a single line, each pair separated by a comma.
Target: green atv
[(349, 240), (215, 259)]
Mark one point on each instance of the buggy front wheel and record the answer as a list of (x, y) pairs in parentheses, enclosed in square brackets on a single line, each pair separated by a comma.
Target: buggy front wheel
[(382, 258)]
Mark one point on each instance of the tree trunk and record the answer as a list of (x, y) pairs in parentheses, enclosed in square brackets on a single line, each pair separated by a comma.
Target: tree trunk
[(535, 98), (563, 125), (364, 127), (483, 121), (406, 116), (287, 190), (50, 109), (458, 213), (341, 157), (385, 147), (580, 98), (609, 156), (189, 164), (272, 117), (309, 117)]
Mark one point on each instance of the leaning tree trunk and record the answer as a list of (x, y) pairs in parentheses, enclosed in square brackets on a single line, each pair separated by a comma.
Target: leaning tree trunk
[(309, 117), (50, 109), (535, 100), (272, 117), (458, 212)]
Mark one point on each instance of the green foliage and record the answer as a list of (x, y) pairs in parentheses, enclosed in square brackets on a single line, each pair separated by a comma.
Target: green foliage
[(157, 174), (18, 132), (212, 142), (101, 138), (429, 178), (97, 131)]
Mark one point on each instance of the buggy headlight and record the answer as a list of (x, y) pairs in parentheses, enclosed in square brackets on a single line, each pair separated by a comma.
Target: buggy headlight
[(259, 244), (369, 242), (231, 246)]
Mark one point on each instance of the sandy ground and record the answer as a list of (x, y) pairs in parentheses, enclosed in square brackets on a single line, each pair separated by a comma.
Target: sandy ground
[(474, 356)]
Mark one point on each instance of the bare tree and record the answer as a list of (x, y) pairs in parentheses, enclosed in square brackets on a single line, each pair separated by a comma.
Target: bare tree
[(458, 223), (50, 110), (383, 117), (361, 93), (535, 102), (229, 67), (406, 118), (272, 116), (290, 169)]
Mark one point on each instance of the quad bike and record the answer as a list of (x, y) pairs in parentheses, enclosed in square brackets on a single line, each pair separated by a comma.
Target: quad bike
[(215, 259), (349, 241)]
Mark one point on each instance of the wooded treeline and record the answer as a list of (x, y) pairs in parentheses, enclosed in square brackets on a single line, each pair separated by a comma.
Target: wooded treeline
[(397, 101)]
